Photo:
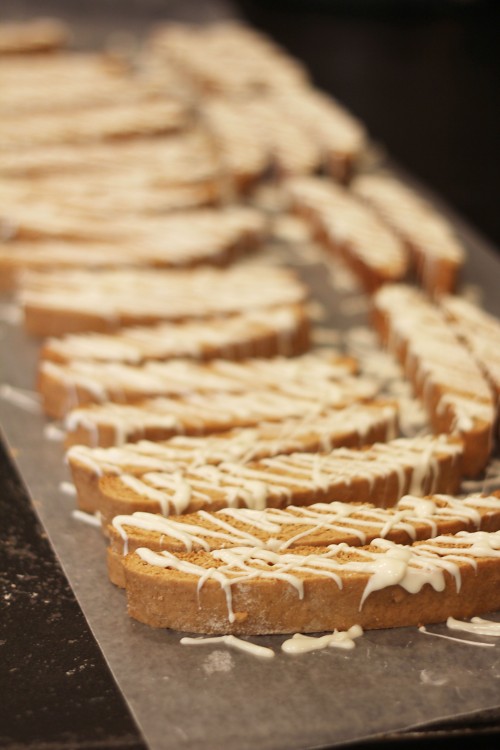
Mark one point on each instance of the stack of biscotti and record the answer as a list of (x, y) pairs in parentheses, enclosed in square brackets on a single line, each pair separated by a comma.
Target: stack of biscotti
[(319, 525), (353, 427), (350, 228), (380, 474), (67, 386), (70, 301), (455, 392), (248, 590), (436, 251)]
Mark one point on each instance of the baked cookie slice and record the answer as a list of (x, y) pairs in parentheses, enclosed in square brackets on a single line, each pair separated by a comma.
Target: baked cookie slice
[(73, 301), (32, 37), (320, 525), (380, 474), (205, 413), (354, 426), (247, 590), (436, 251), (454, 391), (350, 228), (66, 386)]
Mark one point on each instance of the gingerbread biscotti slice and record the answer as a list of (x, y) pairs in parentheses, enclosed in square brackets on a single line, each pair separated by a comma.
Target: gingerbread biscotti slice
[(320, 525), (437, 253), (354, 426), (380, 474), (277, 331), (480, 332), (37, 36), (66, 386), (341, 138), (100, 123), (67, 302), (204, 413), (346, 225), (226, 58), (250, 591), (211, 237), (453, 389)]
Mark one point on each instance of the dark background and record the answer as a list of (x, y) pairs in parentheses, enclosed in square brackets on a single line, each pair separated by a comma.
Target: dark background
[(424, 77)]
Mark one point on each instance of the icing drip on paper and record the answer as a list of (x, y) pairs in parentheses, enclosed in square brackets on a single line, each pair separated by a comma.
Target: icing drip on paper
[(423, 629), (477, 625), (303, 644), (231, 640), (27, 400)]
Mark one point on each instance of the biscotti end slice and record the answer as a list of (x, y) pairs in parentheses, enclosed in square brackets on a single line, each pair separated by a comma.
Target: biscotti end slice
[(249, 591), (320, 525)]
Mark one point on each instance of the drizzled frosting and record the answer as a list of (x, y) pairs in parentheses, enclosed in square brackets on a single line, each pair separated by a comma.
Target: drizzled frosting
[(265, 439), (118, 382), (320, 523), (203, 413), (346, 221), (383, 563), (300, 478), (217, 337)]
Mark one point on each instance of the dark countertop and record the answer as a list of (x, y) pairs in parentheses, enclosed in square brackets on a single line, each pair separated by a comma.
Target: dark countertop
[(425, 86)]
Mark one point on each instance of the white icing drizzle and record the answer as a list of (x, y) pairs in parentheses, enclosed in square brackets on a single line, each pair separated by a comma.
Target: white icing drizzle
[(333, 519), (52, 431), (27, 400), (231, 640), (88, 518), (68, 488), (303, 644), (423, 629), (384, 564), (477, 625)]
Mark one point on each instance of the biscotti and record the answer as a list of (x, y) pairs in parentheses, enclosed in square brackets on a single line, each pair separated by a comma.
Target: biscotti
[(250, 591), (32, 37), (437, 253), (320, 525), (226, 58), (354, 426), (212, 237), (103, 123), (203, 413), (380, 474), (341, 138), (67, 302), (283, 331), (66, 386), (453, 390), (480, 332), (347, 226)]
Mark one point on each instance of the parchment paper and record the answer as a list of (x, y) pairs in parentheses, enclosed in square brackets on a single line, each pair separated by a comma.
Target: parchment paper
[(213, 697)]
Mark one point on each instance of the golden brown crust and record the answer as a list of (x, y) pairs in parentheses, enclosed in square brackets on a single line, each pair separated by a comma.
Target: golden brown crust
[(171, 599)]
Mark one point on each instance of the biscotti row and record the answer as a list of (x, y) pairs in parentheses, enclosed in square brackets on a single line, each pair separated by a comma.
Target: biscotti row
[(319, 525), (381, 474), (448, 379), (32, 37), (248, 590)]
